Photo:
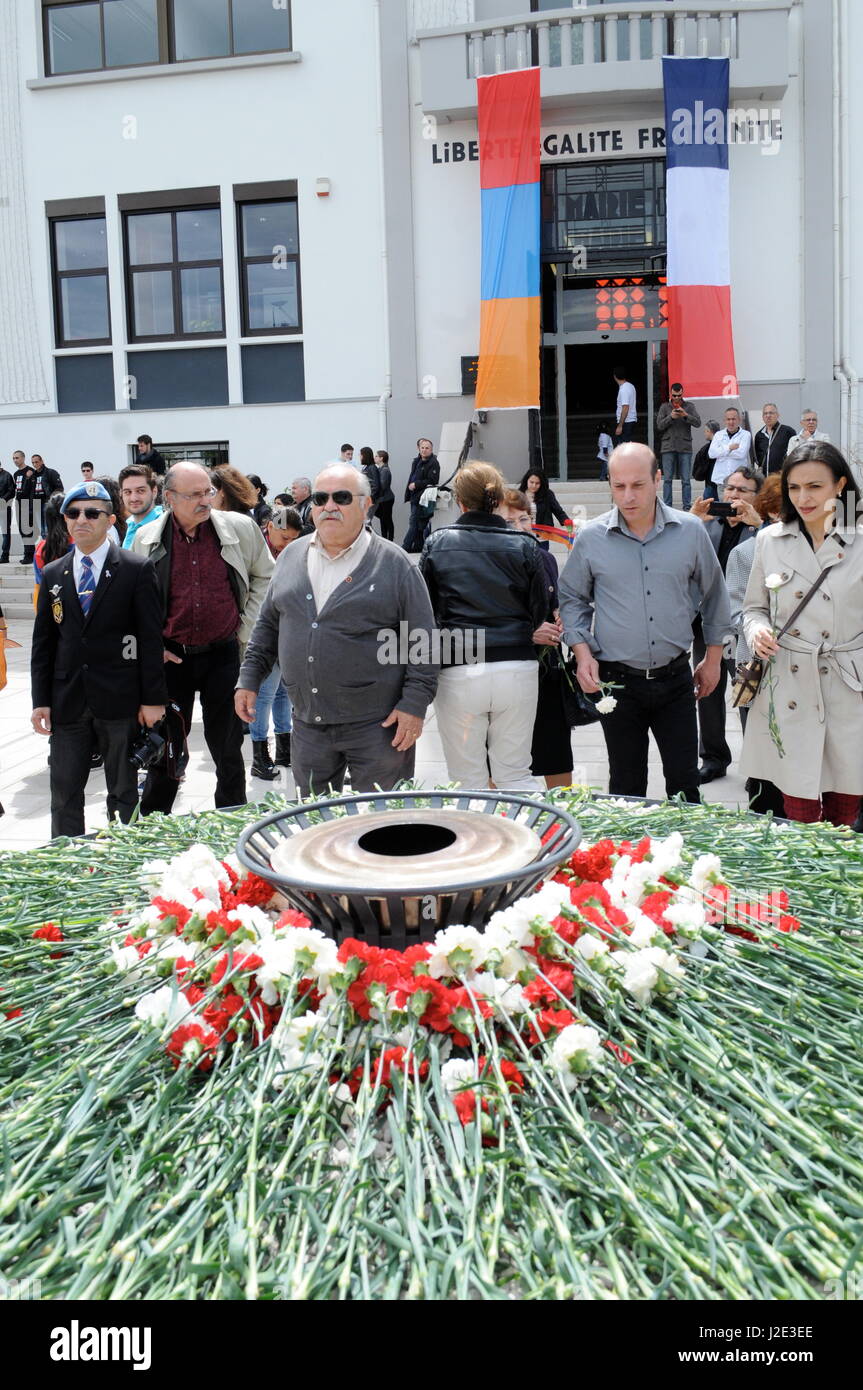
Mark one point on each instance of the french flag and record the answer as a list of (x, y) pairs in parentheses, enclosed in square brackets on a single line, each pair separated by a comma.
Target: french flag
[(700, 340)]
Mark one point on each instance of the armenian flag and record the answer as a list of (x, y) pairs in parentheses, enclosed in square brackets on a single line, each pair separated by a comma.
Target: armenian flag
[(509, 152)]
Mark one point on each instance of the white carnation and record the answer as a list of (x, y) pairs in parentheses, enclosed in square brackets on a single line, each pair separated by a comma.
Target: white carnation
[(124, 957), (644, 930), (254, 919), (706, 869), (606, 705), (687, 917), (457, 1074), (173, 947), (774, 581), (590, 947), (648, 970), (457, 950), (576, 1051), (665, 854), (505, 996), (161, 1006)]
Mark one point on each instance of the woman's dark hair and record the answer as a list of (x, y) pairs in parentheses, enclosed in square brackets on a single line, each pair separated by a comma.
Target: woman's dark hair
[(366, 456), (382, 454), (256, 483), (237, 490), (818, 452), (111, 485), (283, 499), (543, 481), (57, 538)]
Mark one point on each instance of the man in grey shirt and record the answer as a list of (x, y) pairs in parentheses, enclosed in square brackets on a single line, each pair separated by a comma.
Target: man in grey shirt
[(350, 621), (633, 583)]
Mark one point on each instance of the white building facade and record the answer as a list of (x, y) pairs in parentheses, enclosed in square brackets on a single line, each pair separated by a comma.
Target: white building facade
[(252, 229)]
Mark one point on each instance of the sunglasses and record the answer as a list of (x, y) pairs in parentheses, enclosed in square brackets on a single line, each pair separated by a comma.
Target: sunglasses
[(91, 513), (342, 498)]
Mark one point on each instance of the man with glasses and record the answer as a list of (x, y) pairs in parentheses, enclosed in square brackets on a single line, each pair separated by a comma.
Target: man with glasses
[(726, 533), (96, 663), (809, 432), (349, 619), (771, 441), (674, 424), (213, 569)]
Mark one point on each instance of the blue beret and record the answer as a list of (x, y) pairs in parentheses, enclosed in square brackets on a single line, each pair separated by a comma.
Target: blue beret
[(93, 491)]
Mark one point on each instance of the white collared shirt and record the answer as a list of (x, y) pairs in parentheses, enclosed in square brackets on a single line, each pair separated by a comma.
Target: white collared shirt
[(326, 573), (98, 558)]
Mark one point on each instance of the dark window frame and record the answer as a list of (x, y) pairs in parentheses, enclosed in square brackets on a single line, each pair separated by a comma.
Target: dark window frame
[(161, 25), (166, 39), (58, 275), (175, 266), (245, 261)]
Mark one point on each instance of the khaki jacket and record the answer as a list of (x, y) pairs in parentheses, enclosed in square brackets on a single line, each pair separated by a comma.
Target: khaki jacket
[(818, 672), (244, 551)]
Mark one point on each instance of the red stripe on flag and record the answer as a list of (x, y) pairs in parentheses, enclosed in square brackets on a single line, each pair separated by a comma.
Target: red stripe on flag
[(700, 343), (508, 111)]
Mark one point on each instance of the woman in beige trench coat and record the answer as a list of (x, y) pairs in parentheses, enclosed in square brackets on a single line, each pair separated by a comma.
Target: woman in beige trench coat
[(818, 666)]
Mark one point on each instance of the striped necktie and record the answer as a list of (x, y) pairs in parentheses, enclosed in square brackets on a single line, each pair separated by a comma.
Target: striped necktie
[(86, 586)]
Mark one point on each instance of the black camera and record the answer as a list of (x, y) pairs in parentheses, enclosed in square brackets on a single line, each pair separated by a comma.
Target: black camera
[(147, 749)]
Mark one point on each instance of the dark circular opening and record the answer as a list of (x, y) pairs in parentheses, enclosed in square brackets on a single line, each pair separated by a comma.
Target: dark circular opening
[(407, 840)]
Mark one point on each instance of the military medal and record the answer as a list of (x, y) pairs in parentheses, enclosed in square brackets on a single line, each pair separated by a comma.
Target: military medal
[(56, 605)]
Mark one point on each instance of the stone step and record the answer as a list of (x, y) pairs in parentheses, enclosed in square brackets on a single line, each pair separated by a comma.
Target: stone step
[(15, 609)]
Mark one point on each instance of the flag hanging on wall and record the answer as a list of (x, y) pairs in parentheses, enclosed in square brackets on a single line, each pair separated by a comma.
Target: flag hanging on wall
[(700, 342), (509, 341)]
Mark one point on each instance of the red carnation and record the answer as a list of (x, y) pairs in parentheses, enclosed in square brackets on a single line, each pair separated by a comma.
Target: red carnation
[(292, 918), (194, 1043), (49, 932)]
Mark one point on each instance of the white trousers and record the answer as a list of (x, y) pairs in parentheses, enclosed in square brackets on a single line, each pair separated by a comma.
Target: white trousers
[(485, 716)]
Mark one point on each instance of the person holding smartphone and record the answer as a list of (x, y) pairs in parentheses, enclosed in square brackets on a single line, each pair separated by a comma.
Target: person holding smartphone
[(675, 421), (728, 524)]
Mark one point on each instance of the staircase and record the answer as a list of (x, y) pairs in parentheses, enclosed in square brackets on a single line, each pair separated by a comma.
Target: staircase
[(16, 589)]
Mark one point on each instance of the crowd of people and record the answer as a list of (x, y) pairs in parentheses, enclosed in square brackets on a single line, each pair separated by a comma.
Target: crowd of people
[(178, 581)]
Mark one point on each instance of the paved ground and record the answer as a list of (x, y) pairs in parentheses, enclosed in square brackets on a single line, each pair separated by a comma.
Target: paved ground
[(24, 772)]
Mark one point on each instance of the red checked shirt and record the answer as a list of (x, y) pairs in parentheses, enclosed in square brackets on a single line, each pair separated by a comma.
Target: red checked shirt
[(201, 605)]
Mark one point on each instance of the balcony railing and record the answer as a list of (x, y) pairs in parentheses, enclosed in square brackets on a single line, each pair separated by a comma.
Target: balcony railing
[(618, 33), (605, 48)]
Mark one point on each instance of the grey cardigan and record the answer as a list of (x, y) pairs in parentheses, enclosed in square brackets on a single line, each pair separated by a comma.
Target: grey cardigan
[(336, 664)]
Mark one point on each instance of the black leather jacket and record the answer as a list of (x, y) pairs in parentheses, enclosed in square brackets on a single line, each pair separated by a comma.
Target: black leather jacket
[(483, 576)]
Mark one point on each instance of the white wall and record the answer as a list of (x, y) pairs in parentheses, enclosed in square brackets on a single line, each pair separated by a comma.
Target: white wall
[(306, 120)]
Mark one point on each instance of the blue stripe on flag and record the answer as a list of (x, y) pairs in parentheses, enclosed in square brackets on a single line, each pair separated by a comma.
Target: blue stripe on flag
[(696, 112), (510, 242)]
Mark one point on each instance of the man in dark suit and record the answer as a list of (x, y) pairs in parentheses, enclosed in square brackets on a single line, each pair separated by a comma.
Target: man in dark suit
[(96, 666), (425, 472)]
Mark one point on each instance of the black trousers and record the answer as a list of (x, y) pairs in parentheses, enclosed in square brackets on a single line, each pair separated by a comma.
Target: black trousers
[(5, 529), (212, 675), (384, 515), (712, 744), (71, 750), (664, 708)]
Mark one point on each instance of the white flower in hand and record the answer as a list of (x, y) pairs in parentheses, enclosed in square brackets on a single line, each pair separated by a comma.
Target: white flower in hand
[(606, 704)]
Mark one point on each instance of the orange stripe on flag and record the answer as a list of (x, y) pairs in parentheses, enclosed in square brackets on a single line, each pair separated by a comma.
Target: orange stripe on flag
[(508, 375)]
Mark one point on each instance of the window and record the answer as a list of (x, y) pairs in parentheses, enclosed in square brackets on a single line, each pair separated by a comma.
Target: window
[(88, 35), (80, 263), (222, 28), (174, 274), (270, 266), (81, 37)]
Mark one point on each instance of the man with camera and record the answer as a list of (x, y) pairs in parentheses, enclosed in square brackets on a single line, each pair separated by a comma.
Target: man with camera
[(675, 420), (96, 664)]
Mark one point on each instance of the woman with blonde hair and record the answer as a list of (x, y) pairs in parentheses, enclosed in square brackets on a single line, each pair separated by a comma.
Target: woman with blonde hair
[(489, 593)]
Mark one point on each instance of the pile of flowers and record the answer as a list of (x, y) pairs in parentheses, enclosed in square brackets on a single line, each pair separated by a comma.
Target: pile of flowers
[(615, 926)]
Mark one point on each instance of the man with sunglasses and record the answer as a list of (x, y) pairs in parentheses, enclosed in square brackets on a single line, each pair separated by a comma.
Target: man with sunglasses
[(96, 662), (340, 603), (213, 569)]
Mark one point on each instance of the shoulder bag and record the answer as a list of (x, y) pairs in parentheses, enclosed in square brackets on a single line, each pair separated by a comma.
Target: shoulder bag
[(749, 674)]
